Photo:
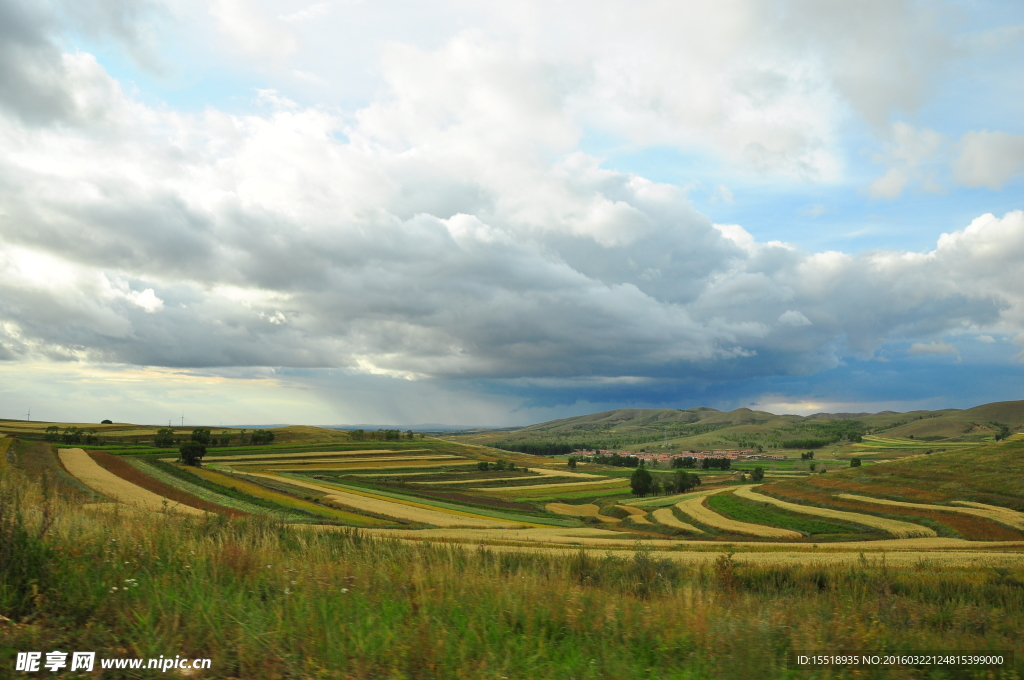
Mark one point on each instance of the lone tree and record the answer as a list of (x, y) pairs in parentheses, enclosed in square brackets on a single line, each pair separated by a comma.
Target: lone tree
[(572, 463), (855, 462), (758, 474), (106, 422), (640, 481), (192, 452)]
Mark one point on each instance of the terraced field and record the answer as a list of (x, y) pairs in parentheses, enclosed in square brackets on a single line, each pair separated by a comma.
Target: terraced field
[(436, 490)]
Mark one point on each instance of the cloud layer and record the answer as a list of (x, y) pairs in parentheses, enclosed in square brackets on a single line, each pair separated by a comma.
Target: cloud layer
[(451, 227)]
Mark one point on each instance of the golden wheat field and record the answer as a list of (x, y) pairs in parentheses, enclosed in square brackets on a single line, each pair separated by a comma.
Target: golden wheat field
[(666, 517), (565, 487), (397, 509), (78, 463), (890, 526), (1002, 515), (585, 510)]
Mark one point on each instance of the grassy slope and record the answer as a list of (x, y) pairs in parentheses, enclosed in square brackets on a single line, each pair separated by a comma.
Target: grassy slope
[(744, 424), (266, 601), (986, 474)]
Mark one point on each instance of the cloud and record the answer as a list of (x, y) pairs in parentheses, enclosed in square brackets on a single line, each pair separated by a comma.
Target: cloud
[(989, 159), (794, 318), (932, 348), (912, 154), (451, 229)]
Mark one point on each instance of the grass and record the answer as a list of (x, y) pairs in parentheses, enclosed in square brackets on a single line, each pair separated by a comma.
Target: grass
[(263, 600), (759, 513)]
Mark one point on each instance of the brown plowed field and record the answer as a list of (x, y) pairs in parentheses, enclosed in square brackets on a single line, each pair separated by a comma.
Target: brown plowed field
[(126, 472)]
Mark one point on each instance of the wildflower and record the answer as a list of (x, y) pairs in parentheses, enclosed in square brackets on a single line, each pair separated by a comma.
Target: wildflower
[(344, 590)]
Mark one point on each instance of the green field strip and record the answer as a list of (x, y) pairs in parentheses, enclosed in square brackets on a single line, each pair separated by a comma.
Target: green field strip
[(578, 495), (488, 513), (757, 513), (288, 501), (209, 495)]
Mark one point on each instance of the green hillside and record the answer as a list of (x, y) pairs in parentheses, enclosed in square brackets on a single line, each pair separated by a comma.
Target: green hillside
[(835, 436)]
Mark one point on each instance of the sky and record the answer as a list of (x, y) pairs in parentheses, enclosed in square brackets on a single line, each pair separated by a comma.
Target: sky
[(494, 214)]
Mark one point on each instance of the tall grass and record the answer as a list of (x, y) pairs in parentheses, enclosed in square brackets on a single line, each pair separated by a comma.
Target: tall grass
[(272, 601)]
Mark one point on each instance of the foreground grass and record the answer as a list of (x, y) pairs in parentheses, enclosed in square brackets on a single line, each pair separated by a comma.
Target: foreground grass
[(272, 601)]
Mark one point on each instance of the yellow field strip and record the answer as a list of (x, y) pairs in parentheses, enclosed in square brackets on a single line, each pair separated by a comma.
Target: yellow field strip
[(406, 510), (695, 508), (585, 510), (531, 487), (271, 462), (665, 516), (896, 551), (639, 519), (98, 478), (631, 510), (890, 526), (326, 467), (548, 472), (310, 454), (993, 512)]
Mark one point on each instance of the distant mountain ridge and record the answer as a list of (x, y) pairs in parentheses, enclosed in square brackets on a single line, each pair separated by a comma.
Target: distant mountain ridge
[(702, 427)]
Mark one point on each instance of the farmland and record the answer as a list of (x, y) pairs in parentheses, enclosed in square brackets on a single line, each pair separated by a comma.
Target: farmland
[(321, 507)]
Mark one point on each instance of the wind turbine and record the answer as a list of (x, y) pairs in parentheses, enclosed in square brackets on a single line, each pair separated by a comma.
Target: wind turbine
[(29, 416), (183, 419)]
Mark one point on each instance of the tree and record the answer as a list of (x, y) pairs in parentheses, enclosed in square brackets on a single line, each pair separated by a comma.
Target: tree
[(500, 465), (572, 463), (758, 474), (192, 452), (262, 437), (482, 466), (164, 438), (813, 466), (201, 435), (640, 481), (52, 433), (855, 462), (106, 422)]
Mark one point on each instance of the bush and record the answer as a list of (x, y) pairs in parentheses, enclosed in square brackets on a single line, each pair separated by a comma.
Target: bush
[(106, 422), (855, 462)]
